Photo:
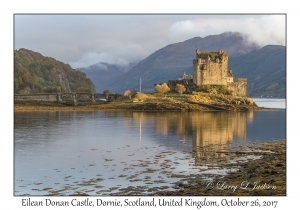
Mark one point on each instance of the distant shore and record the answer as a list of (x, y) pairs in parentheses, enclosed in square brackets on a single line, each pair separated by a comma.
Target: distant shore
[(160, 106)]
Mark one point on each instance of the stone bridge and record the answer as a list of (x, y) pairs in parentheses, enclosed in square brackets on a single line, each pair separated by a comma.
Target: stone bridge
[(60, 97)]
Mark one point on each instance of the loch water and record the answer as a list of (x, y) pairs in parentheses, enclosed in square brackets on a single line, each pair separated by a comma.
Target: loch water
[(101, 152)]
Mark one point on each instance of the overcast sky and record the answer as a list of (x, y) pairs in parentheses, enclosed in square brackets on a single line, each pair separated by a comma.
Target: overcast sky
[(83, 40)]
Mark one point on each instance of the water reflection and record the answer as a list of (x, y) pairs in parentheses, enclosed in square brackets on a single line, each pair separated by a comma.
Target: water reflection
[(210, 131), (50, 146)]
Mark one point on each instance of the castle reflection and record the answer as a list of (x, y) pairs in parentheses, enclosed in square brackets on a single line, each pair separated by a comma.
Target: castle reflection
[(210, 132), (213, 131)]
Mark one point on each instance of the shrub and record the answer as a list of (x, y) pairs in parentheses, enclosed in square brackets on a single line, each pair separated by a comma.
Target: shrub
[(129, 93), (161, 89), (83, 89), (180, 88), (140, 96)]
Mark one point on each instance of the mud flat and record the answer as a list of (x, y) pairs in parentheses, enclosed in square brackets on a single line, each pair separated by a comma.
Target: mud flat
[(257, 177), (263, 173)]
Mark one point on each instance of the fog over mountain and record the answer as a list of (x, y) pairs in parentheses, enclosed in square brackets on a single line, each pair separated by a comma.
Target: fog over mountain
[(101, 72)]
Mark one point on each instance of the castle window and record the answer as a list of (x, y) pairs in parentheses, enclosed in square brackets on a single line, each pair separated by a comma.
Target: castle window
[(203, 67)]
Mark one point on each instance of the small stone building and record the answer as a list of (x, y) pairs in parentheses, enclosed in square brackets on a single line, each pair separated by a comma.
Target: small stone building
[(186, 76), (185, 79)]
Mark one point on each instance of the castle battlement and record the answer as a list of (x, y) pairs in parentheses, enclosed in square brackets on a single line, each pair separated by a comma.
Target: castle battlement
[(215, 57)]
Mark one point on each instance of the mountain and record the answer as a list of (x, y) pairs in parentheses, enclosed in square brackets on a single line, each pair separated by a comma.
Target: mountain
[(265, 70), (101, 72), (35, 73), (171, 61)]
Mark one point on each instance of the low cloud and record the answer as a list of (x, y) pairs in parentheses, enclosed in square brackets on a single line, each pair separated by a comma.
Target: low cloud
[(266, 30), (122, 56), (91, 58), (101, 66), (184, 30), (261, 30)]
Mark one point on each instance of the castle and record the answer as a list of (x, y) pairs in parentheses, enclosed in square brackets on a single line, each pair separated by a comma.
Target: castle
[(211, 68)]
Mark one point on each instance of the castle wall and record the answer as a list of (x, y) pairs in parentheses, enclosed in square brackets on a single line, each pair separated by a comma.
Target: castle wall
[(240, 86), (172, 84), (185, 82)]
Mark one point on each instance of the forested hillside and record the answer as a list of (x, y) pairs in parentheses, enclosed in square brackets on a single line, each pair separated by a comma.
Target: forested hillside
[(35, 73)]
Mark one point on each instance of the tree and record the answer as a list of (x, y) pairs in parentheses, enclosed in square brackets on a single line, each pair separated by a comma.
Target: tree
[(180, 88), (161, 89), (157, 88), (129, 93), (165, 88)]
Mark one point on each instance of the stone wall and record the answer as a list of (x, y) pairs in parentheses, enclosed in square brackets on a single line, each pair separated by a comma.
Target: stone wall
[(186, 82), (239, 86), (59, 97), (37, 97)]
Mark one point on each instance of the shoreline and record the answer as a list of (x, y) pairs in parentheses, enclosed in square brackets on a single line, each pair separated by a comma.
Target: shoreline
[(88, 106)]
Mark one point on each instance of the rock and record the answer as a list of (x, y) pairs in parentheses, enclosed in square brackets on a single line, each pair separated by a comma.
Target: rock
[(250, 101)]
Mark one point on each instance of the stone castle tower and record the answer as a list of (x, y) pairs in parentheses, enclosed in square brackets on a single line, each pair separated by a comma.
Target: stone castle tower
[(211, 68)]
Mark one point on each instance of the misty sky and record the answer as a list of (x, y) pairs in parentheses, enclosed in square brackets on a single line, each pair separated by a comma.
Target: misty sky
[(83, 40)]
